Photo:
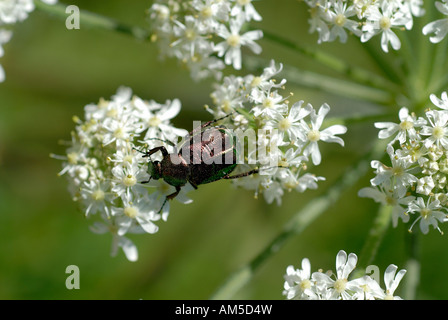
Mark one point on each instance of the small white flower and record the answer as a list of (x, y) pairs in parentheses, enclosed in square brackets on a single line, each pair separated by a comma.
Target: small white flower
[(268, 103), (442, 103), (290, 124), (312, 134), (406, 127), (381, 20), (389, 197), (231, 47), (430, 214), (129, 177), (339, 20), (370, 289), (438, 131), (340, 287), (298, 282), (399, 172), (135, 210), (438, 28), (392, 281)]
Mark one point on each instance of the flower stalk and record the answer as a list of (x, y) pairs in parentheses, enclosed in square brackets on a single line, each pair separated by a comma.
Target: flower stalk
[(297, 224)]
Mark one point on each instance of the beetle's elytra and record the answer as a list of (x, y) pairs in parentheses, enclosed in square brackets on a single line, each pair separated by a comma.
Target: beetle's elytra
[(208, 155)]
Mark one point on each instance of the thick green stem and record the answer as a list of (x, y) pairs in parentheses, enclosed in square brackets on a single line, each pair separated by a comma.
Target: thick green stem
[(299, 222), (375, 237), (412, 277), (92, 20)]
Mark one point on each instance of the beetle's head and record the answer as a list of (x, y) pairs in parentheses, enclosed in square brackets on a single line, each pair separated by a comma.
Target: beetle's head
[(154, 170)]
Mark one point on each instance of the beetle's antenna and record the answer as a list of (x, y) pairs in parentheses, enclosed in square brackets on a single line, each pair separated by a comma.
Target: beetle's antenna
[(140, 150), (166, 141), (251, 172)]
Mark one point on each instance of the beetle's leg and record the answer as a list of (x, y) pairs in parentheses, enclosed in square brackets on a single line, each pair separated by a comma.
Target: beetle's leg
[(241, 175), (154, 150), (146, 180), (170, 197), (174, 194), (193, 185)]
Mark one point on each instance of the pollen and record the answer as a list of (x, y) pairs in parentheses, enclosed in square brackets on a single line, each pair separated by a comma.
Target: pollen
[(340, 285), (119, 133), (391, 201), (128, 159), (72, 157), (385, 23), (438, 132), (340, 20), (154, 122), (406, 125), (313, 135), (129, 180), (255, 82), (190, 34), (397, 171), (425, 213), (284, 124), (268, 103), (233, 40), (206, 12), (112, 113), (305, 284), (226, 107), (98, 195), (131, 212)]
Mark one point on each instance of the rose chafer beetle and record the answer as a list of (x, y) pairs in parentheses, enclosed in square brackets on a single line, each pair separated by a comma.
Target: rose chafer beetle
[(208, 155)]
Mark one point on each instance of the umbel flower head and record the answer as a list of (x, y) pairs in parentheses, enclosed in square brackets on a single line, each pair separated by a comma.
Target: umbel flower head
[(105, 171), (333, 19), (414, 182), (200, 32), (301, 284), (288, 134)]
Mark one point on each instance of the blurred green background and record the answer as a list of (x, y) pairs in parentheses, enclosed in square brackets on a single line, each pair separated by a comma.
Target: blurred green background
[(52, 73)]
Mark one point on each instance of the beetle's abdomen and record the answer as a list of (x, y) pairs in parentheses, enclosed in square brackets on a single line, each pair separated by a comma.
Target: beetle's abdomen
[(213, 157), (174, 170), (206, 173)]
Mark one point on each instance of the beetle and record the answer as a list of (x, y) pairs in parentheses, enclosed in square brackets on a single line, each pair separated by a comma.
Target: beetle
[(198, 162)]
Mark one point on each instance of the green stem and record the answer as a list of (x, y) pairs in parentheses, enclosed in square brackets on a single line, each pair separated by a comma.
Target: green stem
[(357, 119), (387, 68), (328, 84), (356, 74), (380, 225), (299, 222), (412, 278), (93, 20)]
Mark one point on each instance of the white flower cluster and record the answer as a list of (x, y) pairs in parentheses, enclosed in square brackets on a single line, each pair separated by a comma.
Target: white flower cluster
[(196, 31), (287, 135), (105, 171), (301, 284), (11, 12), (415, 181), (367, 18)]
